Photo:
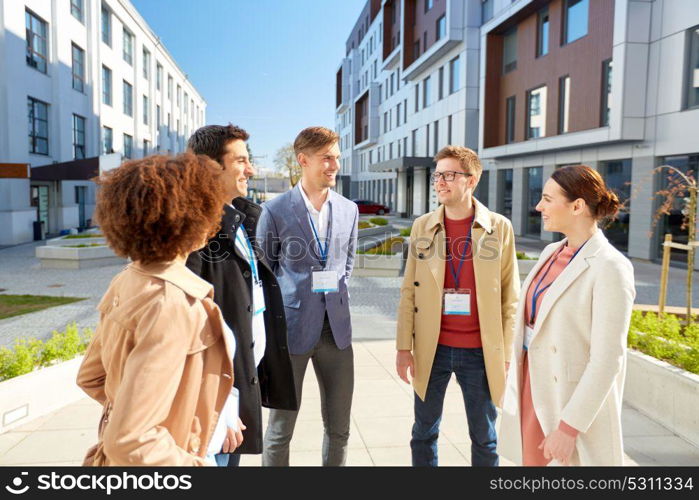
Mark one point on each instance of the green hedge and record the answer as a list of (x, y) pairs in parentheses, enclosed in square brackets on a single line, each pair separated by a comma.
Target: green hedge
[(665, 338), (406, 232), (28, 354), (379, 221)]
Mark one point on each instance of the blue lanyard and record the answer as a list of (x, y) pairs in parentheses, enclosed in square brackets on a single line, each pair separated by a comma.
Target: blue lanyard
[(250, 254), (323, 250), (537, 292), (456, 273)]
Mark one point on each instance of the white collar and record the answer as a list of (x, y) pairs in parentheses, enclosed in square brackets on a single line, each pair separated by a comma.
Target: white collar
[(308, 203)]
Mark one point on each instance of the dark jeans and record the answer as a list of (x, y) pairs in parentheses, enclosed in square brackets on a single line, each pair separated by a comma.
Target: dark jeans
[(469, 367), (335, 373), (227, 460)]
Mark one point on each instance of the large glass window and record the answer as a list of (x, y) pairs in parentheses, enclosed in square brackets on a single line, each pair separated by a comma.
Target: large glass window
[(38, 115), (169, 87), (146, 63), (128, 146), (563, 104), (510, 119), (693, 68), (617, 176), (607, 67), (429, 4), (78, 137), (542, 33), (575, 16), (106, 86), (106, 26), (158, 76), (674, 222), (509, 59), (454, 82), (107, 144), (76, 9), (37, 44), (481, 192), (536, 113), (128, 99), (440, 84), (78, 56), (533, 177), (146, 110), (504, 204), (128, 46), (486, 10), (441, 27), (426, 92)]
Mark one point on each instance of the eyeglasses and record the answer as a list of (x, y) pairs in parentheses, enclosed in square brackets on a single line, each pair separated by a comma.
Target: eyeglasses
[(448, 176)]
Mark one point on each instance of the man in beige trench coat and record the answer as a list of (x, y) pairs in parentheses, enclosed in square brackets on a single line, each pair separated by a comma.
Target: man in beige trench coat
[(457, 307)]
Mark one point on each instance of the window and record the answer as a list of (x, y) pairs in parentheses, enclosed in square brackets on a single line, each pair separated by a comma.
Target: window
[(413, 141), (78, 137), (76, 9), (398, 115), (128, 146), (146, 63), (563, 104), (692, 81), (393, 82), (510, 51), (426, 92), (441, 27), (617, 177), (146, 147), (436, 136), (169, 87), (607, 67), (417, 97), (575, 14), (405, 110), (128, 47), (454, 71), (440, 84), (449, 129), (482, 188), (186, 103), (536, 113), (128, 99), (424, 41), (416, 49), (38, 113), (504, 199), (428, 5), (385, 121), (168, 123), (486, 10), (106, 26), (37, 44), (380, 93), (157, 115), (158, 76), (542, 33), (510, 120), (106, 86), (179, 96), (78, 55), (534, 181), (146, 110), (427, 140)]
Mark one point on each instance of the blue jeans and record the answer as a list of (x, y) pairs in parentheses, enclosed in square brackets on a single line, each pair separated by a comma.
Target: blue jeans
[(227, 460), (469, 367)]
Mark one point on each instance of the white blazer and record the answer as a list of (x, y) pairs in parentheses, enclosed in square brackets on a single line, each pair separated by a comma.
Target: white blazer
[(577, 356)]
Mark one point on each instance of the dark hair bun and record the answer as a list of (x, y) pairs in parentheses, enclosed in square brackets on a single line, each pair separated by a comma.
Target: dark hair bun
[(608, 205)]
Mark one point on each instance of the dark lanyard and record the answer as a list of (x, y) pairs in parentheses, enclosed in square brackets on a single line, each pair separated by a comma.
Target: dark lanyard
[(250, 255), (323, 250), (537, 292), (456, 273)]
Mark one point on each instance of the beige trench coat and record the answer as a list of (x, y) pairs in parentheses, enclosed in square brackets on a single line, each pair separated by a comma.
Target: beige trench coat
[(577, 356), (160, 366), (497, 291)]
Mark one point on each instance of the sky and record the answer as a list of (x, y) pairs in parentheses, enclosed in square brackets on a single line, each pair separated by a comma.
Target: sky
[(266, 65)]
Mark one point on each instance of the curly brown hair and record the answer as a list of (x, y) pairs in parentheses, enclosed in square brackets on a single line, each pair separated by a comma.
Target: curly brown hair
[(160, 207)]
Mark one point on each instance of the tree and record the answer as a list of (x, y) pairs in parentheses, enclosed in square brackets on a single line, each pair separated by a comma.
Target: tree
[(285, 161)]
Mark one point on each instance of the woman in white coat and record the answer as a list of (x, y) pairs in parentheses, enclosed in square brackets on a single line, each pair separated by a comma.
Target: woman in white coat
[(563, 397)]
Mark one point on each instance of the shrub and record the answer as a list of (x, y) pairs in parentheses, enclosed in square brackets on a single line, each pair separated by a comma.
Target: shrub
[(523, 256), (406, 232), (379, 221), (389, 247), (84, 235), (364, 224), (28, 354), (663, 338)]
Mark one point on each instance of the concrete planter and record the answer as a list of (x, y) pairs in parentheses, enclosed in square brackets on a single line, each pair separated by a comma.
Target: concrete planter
[(377, 265), (63, 241), (665, 393), (61, 257), (525, 267), (373, 231), (38, 393)]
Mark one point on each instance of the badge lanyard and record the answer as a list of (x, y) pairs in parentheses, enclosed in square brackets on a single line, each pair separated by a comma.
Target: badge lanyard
[(323, 249), (537, 291), (250, 255), (456, 273)]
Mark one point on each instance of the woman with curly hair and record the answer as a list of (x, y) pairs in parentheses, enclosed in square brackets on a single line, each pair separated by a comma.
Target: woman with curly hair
[(160, 362)]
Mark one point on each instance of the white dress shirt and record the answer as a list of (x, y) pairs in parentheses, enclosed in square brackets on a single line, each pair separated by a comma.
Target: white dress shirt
[(320, 217)]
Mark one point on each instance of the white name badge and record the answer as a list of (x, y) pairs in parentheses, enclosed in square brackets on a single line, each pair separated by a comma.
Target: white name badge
[(258, 298), (325, 281), (528, 335), (457, 302)]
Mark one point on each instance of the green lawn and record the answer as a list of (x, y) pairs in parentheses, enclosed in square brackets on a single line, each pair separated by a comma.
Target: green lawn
[(14, 305)]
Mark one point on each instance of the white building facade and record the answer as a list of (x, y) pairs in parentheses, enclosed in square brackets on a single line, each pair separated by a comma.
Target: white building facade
[(92, 84)]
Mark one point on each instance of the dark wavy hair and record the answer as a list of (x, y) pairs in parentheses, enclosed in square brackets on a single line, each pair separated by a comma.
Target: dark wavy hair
[(581, 181), (211, 140), (160, 207)]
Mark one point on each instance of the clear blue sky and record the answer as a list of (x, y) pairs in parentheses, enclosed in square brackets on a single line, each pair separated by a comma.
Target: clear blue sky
[(266, 65)]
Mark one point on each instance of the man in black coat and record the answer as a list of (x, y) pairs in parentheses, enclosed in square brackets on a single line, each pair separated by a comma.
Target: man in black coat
[(247, 292)]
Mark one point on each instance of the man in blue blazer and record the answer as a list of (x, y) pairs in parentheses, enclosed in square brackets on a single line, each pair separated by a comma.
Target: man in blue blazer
[(309, 236)]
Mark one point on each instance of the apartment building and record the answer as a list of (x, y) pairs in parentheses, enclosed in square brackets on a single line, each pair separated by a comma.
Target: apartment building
[(532, 85), (84, 84)]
